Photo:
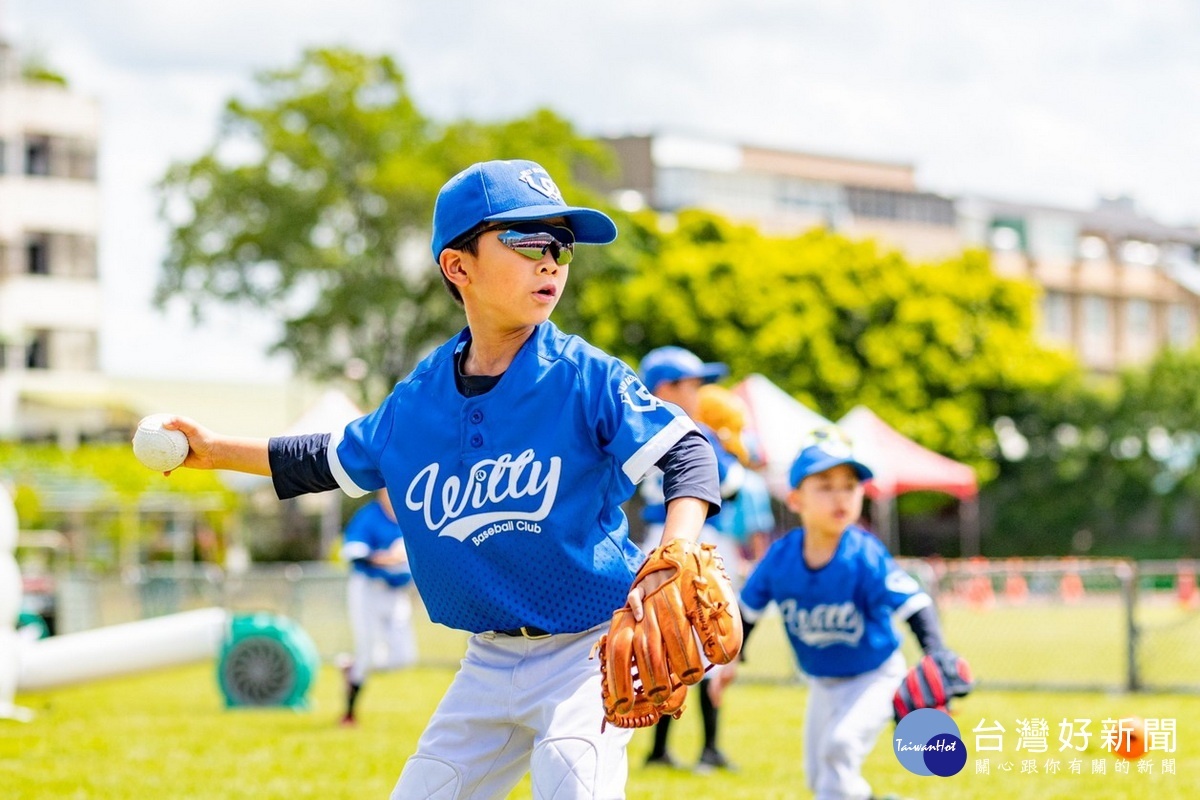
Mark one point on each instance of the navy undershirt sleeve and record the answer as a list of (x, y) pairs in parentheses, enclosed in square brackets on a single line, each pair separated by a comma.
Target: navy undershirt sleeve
[(925, 626), (300, 464), (690, 470)]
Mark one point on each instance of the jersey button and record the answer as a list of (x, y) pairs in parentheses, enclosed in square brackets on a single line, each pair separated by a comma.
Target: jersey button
[(476, 440), (477, 416)]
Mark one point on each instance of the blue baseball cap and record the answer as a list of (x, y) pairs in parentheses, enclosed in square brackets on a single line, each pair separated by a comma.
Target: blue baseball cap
[(675, 363), (825, 454), (516, 191)]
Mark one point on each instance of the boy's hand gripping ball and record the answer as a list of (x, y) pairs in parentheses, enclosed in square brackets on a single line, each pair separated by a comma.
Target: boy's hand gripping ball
[(156, 447)]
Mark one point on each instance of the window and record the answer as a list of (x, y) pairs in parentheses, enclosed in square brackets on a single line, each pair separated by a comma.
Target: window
[(37, 352), (1093, 248), (81, 162), (37, 254), (1007, 235), (37, 155), (1052, 236), (76, 350), (1098, 346), (1139, 330), (1135, 253), (1180, 332), (889, 204), (1056, 310), (1096, 316), (1137, 318)]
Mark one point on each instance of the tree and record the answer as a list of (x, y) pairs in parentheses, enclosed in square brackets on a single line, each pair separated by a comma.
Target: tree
[(937, 350), (1105, 467), (315, 202)]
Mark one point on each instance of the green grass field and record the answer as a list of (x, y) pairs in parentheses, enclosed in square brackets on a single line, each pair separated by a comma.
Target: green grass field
[(166, 735)]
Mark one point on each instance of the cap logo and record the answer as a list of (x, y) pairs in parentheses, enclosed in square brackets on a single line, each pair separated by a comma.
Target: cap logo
[(832, 441), (542, 183)]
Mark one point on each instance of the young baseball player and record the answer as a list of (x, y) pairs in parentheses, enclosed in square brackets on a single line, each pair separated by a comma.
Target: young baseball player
[(507, 453), (748, 518), (376, 595), (677, 375), (838, 591)]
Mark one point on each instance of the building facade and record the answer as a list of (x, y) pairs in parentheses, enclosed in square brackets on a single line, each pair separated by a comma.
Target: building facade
[(784, 192), (50, 295), (1117, 287)]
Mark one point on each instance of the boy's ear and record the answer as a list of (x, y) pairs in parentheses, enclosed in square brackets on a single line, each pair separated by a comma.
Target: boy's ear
[(454, 268), (793, 502)]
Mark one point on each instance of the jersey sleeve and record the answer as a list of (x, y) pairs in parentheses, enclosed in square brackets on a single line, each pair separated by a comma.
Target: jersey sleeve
[(756, 594), (631, 424), (893, 588), (354, 452), (356, 542), (730, 472)]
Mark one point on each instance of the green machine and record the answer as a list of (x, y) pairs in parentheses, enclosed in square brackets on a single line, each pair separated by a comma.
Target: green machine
[(34, 620), (266, 660)]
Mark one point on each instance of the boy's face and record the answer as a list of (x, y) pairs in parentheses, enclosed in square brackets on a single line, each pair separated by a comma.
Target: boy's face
[(684, 393), (504, 287), (828, 501)]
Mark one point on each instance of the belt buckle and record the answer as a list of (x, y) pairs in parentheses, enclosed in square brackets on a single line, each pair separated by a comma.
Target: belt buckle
[(525, 632)]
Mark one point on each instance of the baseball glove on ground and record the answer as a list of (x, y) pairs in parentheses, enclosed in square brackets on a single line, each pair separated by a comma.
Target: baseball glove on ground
[(647, 666), (933, 682)]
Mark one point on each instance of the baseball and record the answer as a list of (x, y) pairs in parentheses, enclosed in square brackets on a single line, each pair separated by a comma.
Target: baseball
[(1132, 747), (158, 448)]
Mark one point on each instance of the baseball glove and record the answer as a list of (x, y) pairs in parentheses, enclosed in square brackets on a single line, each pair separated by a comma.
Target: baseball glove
[(647, 666), (933, 682)]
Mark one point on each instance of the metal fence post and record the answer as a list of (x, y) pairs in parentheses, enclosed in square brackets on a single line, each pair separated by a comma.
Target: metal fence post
[(1128, 574)]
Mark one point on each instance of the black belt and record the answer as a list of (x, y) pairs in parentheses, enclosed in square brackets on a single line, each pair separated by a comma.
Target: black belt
[(528, 631)]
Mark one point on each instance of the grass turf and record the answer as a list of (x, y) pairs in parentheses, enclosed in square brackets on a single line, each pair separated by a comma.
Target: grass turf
[(165, 734)]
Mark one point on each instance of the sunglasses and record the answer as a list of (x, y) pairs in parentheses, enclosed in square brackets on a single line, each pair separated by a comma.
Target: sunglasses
[(533, 240)]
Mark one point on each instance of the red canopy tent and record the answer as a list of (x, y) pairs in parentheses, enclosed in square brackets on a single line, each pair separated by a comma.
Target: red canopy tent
[(901, 465)]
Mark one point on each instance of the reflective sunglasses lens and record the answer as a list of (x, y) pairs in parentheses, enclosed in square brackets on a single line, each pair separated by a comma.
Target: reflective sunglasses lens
[(535, 246)]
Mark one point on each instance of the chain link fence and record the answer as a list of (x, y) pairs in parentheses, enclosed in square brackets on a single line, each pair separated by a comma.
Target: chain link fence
[(1024, 624)]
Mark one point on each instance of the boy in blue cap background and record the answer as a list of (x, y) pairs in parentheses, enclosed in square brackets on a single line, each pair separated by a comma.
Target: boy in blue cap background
[(676, 375), (507, 453), (838, 589)]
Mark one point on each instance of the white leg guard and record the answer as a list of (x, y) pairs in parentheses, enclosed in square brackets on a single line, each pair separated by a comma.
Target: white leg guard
[(425, 778), (564, 769)]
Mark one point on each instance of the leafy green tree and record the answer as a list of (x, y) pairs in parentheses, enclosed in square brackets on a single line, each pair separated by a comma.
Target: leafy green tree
[(314, 203), (1105, 467), (937, 350)]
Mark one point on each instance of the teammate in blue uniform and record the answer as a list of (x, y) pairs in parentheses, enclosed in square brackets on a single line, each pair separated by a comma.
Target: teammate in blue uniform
[(676, 375), (507, 453), (376, 595), (838, 591)]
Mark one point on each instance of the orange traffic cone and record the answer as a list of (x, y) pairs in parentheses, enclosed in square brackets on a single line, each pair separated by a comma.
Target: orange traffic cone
[(979, 586), (1189, 596), (1016, 589), (1071, 588)]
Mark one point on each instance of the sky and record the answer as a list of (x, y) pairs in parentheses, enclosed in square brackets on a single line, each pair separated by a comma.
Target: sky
[(1046, 101)]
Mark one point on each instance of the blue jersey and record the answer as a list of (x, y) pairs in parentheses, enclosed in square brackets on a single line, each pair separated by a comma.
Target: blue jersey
[(369, 530), (839, 617), (511, 500), (730, 474)]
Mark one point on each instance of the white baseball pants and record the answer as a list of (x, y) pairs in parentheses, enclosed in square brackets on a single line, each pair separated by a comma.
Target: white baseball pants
[(844, 718), (380, 618), (519, 705)]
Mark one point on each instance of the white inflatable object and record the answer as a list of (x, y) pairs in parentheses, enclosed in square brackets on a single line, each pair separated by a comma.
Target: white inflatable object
[(10, 606), (156, 447), (121, 649)]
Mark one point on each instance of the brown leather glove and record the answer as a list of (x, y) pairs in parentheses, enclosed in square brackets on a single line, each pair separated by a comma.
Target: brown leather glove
[(647, 666)]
